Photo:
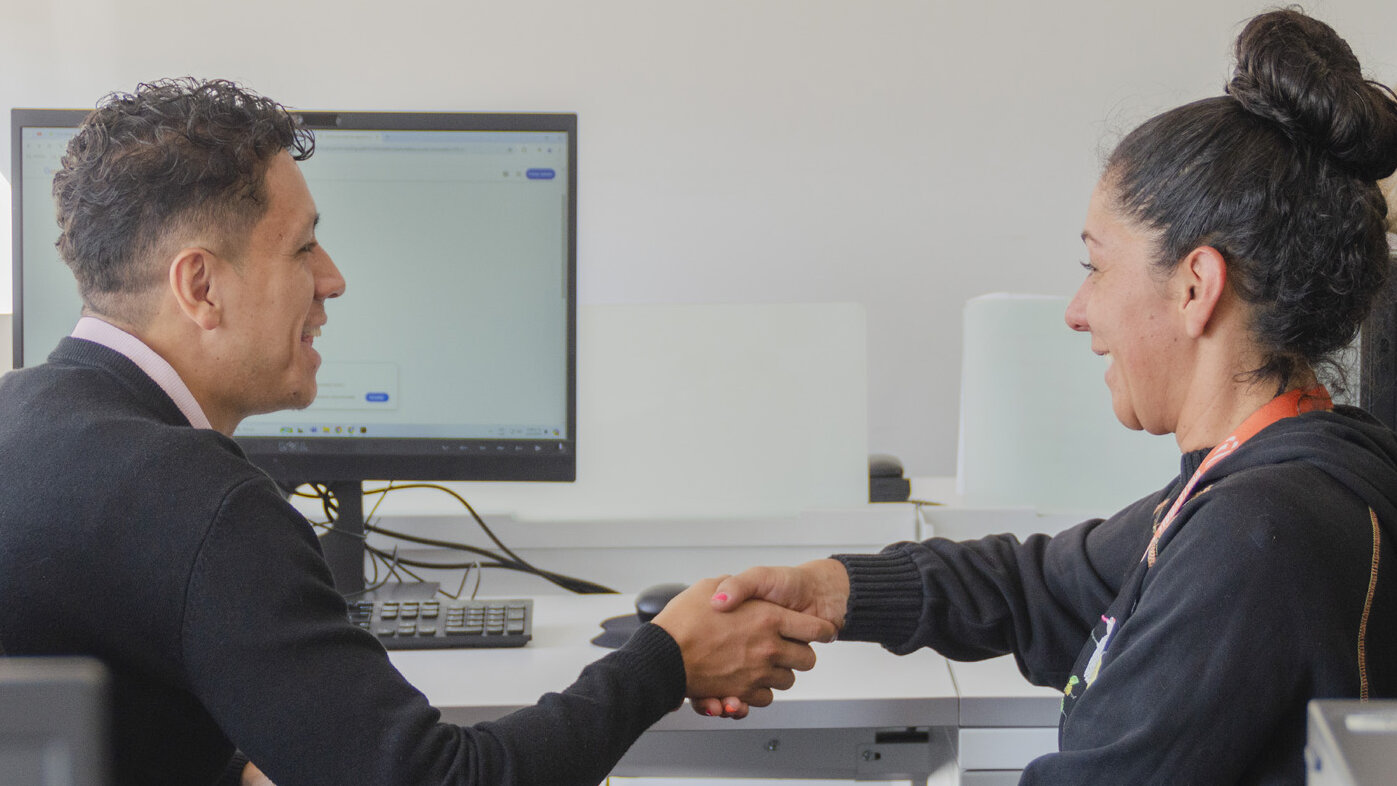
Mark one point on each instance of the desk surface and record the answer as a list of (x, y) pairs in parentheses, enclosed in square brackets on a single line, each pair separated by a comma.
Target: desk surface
[(853, 685), (994, 694)]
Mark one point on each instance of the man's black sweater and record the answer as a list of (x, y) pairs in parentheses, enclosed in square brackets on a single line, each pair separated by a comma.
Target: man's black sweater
[(1276, 584), (128, 535)]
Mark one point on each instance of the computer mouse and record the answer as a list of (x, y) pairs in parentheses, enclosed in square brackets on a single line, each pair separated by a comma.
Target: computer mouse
[(653, 599)]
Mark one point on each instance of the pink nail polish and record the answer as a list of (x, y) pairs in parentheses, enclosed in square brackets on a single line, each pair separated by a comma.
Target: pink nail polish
[(731, 708), (709, 713), (721, 597)]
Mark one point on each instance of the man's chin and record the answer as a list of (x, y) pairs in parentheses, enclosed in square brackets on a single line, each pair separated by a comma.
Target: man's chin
[(305, 401), (297, 400)]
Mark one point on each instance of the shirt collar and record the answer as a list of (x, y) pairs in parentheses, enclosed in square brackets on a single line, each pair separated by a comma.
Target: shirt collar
[(157, 368)]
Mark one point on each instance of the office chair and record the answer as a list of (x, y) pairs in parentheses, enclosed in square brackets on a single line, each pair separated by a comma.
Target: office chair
[(54, 721)]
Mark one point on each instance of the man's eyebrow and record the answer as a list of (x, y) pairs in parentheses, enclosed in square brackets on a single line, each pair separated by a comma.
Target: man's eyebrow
[(306, 234)]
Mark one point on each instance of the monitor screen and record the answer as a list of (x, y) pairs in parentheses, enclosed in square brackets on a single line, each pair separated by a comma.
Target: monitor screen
[(452, 355)]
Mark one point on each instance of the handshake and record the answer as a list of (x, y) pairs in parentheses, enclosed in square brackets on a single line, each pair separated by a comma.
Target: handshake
[(746, 635)]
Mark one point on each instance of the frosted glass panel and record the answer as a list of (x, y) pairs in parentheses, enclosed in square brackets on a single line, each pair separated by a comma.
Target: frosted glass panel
[(1036, 425)]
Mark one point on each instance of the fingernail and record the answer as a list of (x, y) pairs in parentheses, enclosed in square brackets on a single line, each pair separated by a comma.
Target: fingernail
[(709, 713), (731, 708), (721, 597)]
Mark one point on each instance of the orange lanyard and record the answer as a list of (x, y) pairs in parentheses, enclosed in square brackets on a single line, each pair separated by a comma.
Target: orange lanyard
[(1284, 406)]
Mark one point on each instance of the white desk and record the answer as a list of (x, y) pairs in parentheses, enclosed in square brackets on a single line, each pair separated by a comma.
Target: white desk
[(1004, 722), (827, 726)]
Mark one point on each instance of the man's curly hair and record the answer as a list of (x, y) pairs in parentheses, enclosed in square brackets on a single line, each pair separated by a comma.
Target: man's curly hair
[(176, 161)]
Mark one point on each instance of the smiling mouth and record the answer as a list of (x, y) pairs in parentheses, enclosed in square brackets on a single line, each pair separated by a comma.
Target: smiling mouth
[(310, 333)]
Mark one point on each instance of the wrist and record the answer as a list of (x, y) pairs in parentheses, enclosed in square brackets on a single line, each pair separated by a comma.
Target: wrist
[(831, 580), (883, 596)]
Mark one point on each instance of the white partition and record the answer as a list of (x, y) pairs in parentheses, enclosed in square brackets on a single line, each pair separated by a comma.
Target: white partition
[(702, 411), (1036, 425)]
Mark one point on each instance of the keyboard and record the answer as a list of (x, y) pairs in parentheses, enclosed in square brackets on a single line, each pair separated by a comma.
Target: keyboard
[(446, 624)]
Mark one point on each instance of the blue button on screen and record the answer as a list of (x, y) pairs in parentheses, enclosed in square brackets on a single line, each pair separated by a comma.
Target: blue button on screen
[(377, 398), (541, 174)]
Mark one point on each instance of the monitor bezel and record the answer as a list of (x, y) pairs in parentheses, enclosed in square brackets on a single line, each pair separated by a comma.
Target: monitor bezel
[(21, 118)]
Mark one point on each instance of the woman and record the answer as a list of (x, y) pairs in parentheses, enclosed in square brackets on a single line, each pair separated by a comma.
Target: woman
[(1234, 245)]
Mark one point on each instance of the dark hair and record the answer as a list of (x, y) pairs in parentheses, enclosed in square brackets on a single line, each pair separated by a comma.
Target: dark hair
[(176, 153), (1279, 176)]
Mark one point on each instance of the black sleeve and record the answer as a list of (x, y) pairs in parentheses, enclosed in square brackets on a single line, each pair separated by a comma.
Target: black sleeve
[(312, 699), (972, 600)]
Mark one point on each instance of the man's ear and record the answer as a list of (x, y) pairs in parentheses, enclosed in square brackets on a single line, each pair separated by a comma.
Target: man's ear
[(192, 274), (1204, 278)]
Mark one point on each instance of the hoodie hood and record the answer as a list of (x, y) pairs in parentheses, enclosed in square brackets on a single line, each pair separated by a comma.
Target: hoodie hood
[(1347, 444)]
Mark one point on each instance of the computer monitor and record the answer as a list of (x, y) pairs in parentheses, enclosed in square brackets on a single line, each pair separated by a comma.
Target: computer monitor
[(1378, 362), (452, 355)]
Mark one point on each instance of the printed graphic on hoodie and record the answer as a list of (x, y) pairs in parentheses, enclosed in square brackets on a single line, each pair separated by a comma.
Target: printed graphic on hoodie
[(1102, 637)]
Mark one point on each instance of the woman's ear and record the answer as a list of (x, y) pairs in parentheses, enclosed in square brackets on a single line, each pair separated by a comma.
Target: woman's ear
[(1389, 190), (1204, 273)]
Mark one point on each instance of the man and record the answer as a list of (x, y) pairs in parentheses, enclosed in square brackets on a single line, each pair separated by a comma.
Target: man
[(133, 529)]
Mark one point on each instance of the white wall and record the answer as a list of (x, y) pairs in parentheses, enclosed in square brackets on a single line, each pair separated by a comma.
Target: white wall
[(908, 154)]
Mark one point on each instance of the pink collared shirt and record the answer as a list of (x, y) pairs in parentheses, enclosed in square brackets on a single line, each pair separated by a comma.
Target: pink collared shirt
[(157, 368)]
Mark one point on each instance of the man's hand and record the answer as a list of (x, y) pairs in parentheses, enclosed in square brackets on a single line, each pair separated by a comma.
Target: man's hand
[(254, 777), (743, 653), (820, 588)]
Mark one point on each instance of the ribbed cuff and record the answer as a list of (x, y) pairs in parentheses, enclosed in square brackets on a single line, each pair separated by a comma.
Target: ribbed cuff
[(233, 772), (885, 597)]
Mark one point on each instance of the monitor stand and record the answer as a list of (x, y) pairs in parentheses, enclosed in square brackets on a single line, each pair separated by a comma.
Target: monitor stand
[(343, 545)]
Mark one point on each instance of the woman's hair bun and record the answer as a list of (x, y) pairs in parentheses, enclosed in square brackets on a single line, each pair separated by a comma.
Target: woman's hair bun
[(1297, 72)]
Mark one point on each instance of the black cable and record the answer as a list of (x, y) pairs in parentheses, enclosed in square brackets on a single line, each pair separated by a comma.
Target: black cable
[(322, 493), (398, 561), (443, 544), (478, 520), (570, 583), (512, 562), (556, 578)]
